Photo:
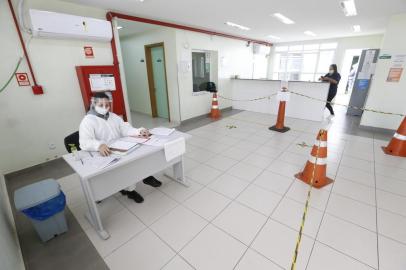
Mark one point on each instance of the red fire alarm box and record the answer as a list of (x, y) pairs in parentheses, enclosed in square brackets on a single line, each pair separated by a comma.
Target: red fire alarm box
[(101, 79)]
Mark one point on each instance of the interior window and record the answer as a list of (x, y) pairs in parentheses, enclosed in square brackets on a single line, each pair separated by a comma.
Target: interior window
[(302, 62), (200, 69)]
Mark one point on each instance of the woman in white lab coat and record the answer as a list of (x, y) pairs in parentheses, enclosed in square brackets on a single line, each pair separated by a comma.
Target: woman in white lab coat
[(100, 126)]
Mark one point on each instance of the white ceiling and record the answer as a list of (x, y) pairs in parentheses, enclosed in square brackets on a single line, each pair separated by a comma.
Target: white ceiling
[(323, 17), (133, 28)]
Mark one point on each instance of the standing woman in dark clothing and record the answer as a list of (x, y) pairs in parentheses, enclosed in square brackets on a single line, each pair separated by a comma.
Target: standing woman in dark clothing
[(333, 77)]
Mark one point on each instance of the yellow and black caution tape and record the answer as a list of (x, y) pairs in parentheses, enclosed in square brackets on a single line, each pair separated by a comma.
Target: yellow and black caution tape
[(317, 99), (306, 208), (304, 144), (253, 99), (348, 106)]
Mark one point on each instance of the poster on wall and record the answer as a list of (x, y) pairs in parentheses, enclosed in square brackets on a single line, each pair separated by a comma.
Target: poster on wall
[(396, 68), (368, 67), (363, 84), (102, 82)]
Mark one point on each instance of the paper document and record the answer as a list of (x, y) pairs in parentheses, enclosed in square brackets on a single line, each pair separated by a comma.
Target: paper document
[(102, 82), (161, 131), (134, 139), (156, 141), (100, 162), (174, 148), (122, 145)]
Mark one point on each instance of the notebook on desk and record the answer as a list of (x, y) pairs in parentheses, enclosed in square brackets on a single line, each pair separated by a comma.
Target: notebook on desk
[(122, 147)]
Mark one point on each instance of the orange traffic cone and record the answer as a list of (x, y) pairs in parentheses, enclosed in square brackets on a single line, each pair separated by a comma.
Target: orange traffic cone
[(215, 112), (314, 172), (397, 146), (280, 120)]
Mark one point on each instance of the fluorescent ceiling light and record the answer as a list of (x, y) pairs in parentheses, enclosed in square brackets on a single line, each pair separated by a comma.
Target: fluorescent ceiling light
[(349, 8), (237, 26), (283, 18), (273, 37), (309, 33), (356, 28), (119, 27)]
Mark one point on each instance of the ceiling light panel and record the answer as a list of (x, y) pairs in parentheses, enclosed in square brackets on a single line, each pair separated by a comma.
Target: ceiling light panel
[(273, 37), (283, 18), (356, 28), (349, 8), (241, 27), (309, 33)]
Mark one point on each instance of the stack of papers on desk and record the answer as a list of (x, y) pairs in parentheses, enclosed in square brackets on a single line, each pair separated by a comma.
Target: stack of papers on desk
[(100, 162), (122, 147), (134, 139), (161, 131)]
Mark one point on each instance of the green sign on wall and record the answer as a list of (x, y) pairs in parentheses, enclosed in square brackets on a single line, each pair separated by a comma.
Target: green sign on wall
[(385, 56)]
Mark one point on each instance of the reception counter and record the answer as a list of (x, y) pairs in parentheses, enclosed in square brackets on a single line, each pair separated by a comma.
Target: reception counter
[(297, 107)]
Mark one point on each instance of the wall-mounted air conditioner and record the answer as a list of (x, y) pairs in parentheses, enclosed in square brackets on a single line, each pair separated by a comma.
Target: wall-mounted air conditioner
[(65, 26)]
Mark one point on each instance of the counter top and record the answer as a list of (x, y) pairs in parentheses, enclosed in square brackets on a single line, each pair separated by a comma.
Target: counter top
[(300, 107), (248, 79)]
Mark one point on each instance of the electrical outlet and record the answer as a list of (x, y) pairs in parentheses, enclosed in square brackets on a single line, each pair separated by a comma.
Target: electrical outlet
[(51, 146)]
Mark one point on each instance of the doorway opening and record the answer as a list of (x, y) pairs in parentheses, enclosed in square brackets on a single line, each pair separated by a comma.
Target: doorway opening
[(158, 88), (348, 73), (148, 54)]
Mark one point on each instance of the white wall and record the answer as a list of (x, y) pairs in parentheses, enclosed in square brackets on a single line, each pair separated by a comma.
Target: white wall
[(136, 72), (343, 44), (388, 96), (10, 255), (234, 58), (28, 123)]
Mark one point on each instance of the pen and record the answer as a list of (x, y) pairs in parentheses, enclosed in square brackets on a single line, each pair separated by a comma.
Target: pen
[(82, 161), (90, 153)]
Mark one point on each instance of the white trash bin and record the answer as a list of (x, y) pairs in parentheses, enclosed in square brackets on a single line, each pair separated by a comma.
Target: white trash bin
[(44, 203)]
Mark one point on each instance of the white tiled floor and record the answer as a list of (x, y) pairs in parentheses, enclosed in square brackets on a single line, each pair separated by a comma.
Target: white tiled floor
[(244, 207)]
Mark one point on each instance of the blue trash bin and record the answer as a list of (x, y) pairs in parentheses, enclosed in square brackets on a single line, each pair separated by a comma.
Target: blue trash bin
[(44, 203)]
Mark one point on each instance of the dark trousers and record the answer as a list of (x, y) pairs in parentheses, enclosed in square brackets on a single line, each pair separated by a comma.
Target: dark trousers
[(331, 95)]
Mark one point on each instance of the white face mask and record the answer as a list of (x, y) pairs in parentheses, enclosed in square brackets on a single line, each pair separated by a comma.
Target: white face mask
[(101, 110), (331, 72)]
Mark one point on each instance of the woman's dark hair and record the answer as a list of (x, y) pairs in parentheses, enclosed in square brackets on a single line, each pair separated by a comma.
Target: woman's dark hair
[(334, 66)]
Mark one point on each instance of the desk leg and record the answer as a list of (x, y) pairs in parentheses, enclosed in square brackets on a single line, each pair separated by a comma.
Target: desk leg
[(93, 215), (179, 173)]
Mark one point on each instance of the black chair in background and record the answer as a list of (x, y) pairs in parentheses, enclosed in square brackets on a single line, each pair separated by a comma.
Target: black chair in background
[(72, 139), (208, 86)]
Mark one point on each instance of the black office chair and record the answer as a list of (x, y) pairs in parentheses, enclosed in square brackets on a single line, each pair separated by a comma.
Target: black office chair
[(72, 139), (208, 86)]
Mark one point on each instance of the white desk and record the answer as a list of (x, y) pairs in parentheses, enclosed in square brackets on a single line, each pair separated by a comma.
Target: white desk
[(98, 184)]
